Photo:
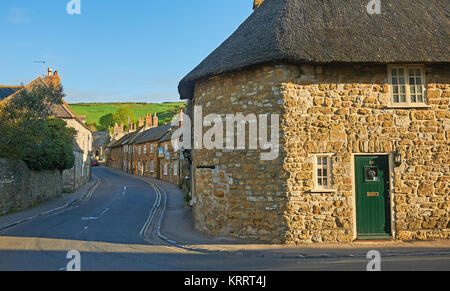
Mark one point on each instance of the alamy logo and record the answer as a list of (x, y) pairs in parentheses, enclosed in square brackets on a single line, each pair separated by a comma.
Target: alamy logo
[(375, 261), (75, 261), (74, 7), (228, 132), (374, 7)]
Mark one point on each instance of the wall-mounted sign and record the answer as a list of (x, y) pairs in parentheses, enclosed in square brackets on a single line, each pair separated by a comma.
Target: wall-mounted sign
[(160, 152)]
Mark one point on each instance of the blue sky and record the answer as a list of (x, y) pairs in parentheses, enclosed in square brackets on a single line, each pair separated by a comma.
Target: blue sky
[(115, 51)]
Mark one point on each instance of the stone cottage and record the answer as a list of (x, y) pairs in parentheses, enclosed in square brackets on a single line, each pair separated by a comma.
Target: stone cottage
[(363, 103), (80, 174)]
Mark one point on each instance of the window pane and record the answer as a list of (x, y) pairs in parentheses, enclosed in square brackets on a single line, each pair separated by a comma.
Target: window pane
[(402, 98), (403, 89), (419, 98), (419, 81), (394, 80), (324, 161), (396, 98)]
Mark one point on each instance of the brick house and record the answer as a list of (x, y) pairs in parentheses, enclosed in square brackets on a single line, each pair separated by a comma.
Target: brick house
[(171, 163), (148, 144), (364, 124)]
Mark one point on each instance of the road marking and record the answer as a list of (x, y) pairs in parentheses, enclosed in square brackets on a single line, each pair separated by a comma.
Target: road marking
[(104, 211), (89, 218), (152, 214)]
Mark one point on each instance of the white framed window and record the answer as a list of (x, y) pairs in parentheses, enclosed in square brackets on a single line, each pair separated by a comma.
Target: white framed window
[(146, 166), (152, 148), (145, 149), (407, 84), (140, 150), (165, 169), (323, 167), (166, 148), (175, 169), (152, 166)]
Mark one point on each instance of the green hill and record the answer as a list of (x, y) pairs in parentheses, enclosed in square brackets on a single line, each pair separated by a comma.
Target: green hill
[(94, 111)]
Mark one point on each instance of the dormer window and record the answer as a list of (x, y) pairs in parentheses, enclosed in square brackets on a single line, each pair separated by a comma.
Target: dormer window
[(407, 85)]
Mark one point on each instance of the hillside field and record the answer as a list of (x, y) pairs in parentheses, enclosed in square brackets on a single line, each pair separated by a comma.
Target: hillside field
[(94, 111)]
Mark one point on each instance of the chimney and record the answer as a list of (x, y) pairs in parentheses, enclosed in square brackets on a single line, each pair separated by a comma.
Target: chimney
[(52, 78), (141, 122), (155, 121), (148, 121), (256, 3)]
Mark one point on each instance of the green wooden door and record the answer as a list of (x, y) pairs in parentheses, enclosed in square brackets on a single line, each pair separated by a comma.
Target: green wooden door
[(373, 216)]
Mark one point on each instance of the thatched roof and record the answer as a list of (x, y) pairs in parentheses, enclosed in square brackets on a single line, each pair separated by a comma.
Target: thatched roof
[(331, 31)]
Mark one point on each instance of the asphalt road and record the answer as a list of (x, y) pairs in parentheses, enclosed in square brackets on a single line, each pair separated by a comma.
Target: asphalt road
[(106, 229)]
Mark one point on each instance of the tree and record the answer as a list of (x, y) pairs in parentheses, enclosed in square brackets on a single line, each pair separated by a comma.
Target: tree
[(28, 132), (122, 115), (106, 122)]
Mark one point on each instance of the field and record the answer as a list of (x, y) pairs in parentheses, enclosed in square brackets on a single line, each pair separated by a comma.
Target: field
[(94, 111)]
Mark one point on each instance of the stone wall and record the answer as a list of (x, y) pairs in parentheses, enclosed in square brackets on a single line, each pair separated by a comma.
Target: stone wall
[(21, 188), (341, 110), (242, 196), (345, 110)]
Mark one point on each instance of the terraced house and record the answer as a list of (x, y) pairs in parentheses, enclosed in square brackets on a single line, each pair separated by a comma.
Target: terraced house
[(147, 151), (363, 100)]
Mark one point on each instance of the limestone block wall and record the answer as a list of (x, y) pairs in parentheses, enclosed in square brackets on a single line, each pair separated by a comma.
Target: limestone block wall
[(21, 188), (235, 192), (344, 110)]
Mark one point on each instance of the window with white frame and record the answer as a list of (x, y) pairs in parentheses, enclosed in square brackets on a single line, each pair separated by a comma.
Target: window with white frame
[(323, 167), (146, 166), (165, 169), (175, 168), (152, 148), (407, 84), (145, 149), (140, 150), (166, 148), (152, 166)]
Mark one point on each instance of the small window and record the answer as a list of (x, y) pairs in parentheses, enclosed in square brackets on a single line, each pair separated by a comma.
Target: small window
[(145, 149), (165, 169), (152, 148), (408, 85), (166, 148), (152, 166), (323, 172), (140, 150), (175, 169)]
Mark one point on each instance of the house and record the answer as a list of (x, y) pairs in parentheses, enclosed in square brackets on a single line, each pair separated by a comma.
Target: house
[(147, 151), (364, 120), (101, 141), (80, 174), (116, 153)]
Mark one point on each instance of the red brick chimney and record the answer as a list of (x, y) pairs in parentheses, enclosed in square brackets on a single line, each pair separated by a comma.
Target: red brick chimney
[(148, 121)]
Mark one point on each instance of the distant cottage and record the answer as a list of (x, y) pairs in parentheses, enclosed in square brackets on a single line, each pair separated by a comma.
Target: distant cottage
[(364, 123)]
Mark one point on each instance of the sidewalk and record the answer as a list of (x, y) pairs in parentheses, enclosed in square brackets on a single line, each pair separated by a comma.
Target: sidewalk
[(178, 225), (46, 207)]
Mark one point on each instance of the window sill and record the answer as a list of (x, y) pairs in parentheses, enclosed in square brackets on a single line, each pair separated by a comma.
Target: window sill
[(323, 191), (408, 106)]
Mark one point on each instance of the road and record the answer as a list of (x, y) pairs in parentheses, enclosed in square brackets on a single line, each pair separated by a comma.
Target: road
[(106, 230)]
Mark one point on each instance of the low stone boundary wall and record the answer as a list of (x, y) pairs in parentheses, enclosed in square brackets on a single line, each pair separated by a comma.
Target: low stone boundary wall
[(22, 188)]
